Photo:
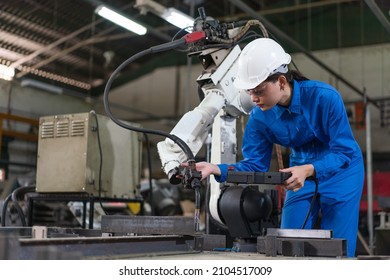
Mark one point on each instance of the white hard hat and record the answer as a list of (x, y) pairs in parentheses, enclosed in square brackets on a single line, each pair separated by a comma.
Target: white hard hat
[(258, 60)]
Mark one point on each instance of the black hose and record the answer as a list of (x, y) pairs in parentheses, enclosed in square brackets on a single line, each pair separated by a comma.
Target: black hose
[(154, 49), (312, 201), (18, 208), (197, 209), (100, 161), (14, 197)]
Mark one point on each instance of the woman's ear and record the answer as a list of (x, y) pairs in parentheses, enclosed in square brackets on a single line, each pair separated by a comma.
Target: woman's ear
[(282, 81)]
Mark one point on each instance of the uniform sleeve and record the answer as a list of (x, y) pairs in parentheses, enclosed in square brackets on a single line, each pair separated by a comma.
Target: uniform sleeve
[(342, 144), (256, 150)]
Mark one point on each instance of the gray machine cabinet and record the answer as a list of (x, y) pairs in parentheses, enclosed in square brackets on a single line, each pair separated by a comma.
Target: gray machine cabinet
[(69, 156)]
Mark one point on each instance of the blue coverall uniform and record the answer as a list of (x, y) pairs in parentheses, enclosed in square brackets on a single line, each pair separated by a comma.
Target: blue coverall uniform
[(316, 128)]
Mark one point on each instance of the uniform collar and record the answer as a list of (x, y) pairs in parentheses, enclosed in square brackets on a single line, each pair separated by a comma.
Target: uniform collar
[(295, 105)]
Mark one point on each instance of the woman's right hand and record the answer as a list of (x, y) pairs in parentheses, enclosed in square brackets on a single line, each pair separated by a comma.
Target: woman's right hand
[(205, 168)]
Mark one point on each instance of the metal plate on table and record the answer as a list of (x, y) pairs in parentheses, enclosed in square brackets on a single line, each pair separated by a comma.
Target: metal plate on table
[(148, 225), (300, 233)]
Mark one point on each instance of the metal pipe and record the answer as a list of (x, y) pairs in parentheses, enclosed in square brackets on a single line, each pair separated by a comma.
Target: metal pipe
[(370, 220), (378, 13)]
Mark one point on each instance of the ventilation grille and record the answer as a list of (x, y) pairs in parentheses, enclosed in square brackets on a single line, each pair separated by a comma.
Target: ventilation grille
[(63, 128), (47, 130), (78, 128)]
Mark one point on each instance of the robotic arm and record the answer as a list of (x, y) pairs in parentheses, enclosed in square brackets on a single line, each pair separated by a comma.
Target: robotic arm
[(220, 97), (218, 51), (193, 128)]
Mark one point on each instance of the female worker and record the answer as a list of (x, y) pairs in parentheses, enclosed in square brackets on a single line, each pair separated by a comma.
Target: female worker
[(308, 117)]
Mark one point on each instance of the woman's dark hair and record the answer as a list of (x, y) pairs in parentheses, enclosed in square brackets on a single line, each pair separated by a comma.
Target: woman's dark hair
[(290, 76)]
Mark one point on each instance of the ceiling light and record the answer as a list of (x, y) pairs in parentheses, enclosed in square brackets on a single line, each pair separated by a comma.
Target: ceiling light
[(6, 73), (177, 18), (120, 20), (171, 15)]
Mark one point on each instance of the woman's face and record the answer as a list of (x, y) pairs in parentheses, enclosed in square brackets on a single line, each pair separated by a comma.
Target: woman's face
[(266, 95)]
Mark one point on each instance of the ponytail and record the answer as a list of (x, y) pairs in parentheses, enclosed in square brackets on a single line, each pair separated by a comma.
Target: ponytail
[(295, 75), (291, 75)]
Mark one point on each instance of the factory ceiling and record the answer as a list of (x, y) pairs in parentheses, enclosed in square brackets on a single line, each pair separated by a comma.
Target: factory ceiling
[(65, 44)]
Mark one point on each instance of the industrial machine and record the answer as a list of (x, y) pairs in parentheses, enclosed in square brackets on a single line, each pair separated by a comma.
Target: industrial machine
[(83, 159), (87, 152)]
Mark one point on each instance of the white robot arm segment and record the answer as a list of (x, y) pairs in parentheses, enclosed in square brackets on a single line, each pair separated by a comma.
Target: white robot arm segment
[(192, 129)]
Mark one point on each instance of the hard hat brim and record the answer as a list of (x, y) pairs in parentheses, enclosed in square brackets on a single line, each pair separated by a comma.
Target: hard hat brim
[(239, 84)]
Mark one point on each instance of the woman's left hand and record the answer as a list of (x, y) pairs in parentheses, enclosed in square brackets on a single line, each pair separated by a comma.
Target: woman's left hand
[(298, 177)]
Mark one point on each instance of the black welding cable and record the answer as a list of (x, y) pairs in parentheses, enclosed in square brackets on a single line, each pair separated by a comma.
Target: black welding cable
[(14, 197), (155, 49), (313, 200), (100, 161), (197, 209), (18, 208), (163, 47)]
